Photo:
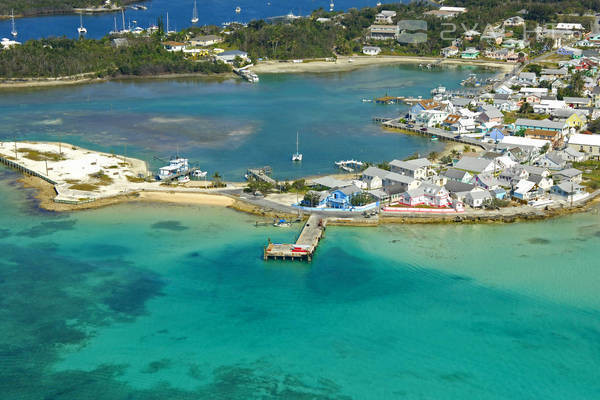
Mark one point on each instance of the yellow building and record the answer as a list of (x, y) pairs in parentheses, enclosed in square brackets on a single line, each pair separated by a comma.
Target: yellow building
[(575, 121)]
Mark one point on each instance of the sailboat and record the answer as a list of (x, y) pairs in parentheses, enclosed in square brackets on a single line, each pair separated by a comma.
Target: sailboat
[(14, 29), (81, 30), (331, 5), (297, 156), (195, 13), (238, 9), (168, 30), (116, 30)]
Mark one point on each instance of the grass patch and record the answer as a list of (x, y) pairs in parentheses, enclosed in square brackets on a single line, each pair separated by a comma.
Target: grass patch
[(36, 155), (72, 181), (113, 167), (591, 173), (101, 178), (86, 187), (135, 179)]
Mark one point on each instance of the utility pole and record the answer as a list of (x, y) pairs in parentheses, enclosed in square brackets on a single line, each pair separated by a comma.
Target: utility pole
[(16, 154), (46, 167)]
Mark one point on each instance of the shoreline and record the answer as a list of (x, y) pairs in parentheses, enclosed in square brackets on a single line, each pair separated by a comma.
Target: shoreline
[(343, 63), (45, 196), (84, 79), (269, 67)]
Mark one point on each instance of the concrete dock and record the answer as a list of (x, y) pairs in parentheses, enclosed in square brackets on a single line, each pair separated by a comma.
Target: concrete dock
[(305, 246)]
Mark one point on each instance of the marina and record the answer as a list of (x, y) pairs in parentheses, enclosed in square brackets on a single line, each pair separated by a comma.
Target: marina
[(305, 246)]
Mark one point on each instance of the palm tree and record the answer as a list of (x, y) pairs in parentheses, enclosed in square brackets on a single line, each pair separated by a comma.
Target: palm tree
[(217, 179)]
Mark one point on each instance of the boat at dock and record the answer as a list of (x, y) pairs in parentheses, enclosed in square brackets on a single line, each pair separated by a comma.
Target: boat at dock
[(282, 223), (176, 168), (247, 74), (199, 174)]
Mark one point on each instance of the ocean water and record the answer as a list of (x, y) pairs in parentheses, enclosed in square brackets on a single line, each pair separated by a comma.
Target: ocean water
[(213, 12), (230, 125), (144, 301)]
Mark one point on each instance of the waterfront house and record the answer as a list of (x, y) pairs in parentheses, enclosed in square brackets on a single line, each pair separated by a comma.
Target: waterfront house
[(341, 198), (418, 168), (450, 51), (319, 196), (543, 183), (428, 195), (421, 106), (525, 190), (477, 199), (384, 32), (373, 177), (486, 181), (569, 191), (385, 17), (232, 55), (431, 118), (586, 144), (371, 50), (470, 53), (400, 182)]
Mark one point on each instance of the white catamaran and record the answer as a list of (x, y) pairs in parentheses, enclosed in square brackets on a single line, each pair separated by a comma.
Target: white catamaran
[(195, 13), (13, 31), (81, 30), (297, 156)]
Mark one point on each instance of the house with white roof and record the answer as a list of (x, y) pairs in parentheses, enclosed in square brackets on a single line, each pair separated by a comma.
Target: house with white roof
[(586, 144), (385, 17), (371, 50), (418, 168)]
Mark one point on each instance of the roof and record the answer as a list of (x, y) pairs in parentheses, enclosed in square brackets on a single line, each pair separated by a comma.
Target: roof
[(473, 164), (479, 195), (206, 38), (527, 75), (584, 140), (540, 132), (457, 187), (411, 165), (329, 182), (569, 187), (233, 53), (543, 123), (524, 186), (349, 190), (569, 172), (576, 100), (395, 177), (492, 111), (374, 171), (454, 173)]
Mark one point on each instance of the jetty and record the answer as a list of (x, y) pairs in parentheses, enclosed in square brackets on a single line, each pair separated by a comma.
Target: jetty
[(305, 246), (433, 132), (261, 174)]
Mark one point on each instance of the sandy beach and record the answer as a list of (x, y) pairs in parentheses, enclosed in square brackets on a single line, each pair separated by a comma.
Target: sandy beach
[(187, 198), (355, 62)]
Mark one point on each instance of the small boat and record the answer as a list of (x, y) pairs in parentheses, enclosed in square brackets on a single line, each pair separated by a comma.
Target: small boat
[(81, 30), (142, 7), (434, 138), (13, 30), (199, 174), (367, 100), (195, 13), (331, 6), (134, 7), (282, 223), (297, 156), (378, 4), (238, 10), (183, 179)]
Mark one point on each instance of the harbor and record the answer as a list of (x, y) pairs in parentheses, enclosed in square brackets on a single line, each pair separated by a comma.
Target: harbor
[(305, 246)]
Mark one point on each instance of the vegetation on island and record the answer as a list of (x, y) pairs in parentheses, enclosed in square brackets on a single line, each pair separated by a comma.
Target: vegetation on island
[(41, 7), (59, 57)]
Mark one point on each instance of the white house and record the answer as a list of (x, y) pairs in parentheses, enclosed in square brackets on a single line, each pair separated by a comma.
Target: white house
[(371, 50), (565, 26), (586, 144), (385, 17), (230, 56), (418, 168)]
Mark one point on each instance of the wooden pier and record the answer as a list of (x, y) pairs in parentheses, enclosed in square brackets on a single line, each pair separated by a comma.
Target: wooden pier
[(261, 174), (305, 246)]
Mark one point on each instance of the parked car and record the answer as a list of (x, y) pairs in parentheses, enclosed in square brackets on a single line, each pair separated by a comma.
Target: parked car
[(423, 129), (410, 126)]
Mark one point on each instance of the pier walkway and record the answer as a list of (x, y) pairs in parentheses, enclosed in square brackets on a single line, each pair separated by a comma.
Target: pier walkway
[(440, 133), (305, 246), (261, 174)]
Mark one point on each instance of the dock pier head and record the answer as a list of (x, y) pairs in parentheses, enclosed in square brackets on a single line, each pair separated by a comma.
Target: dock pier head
[(305, 246)]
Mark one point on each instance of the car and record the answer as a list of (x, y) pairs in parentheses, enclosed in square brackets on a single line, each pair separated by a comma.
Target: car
[(410, 126), (457, 137), (423, 129)]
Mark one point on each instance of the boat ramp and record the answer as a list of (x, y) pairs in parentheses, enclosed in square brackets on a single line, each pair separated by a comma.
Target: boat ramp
[(305, 246)]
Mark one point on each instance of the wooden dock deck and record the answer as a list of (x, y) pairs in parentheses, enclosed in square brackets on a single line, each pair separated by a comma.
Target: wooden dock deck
[(305, 246)]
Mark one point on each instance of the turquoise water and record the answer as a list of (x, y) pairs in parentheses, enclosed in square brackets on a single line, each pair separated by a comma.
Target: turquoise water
[(146, 301), (231, 125)]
